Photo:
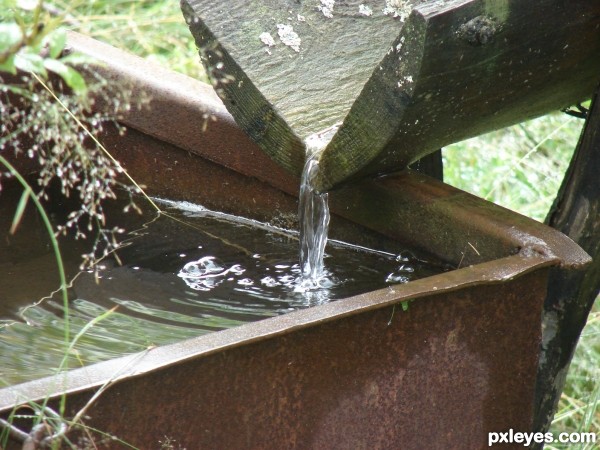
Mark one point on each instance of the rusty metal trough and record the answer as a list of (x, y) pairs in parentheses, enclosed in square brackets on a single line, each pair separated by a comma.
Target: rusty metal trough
[(356, 373)]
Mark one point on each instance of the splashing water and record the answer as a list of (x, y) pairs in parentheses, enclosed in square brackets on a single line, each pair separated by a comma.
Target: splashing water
[(176, 279), (206, 273)]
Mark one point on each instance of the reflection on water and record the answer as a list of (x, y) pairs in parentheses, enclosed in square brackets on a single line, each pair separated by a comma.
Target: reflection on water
[(173, 282)]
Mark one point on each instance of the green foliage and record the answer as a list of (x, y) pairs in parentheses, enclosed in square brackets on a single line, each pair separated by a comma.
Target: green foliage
[(520, 167), (153, 29), (27, 194), (579, 407), (33, 43), (47, 115), (52, 125)]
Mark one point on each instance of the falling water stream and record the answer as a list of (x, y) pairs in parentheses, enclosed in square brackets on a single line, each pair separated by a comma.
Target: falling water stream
[(313, 215), (314, 224)]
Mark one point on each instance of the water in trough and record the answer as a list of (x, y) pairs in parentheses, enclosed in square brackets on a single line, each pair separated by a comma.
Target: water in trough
[(177, 277)]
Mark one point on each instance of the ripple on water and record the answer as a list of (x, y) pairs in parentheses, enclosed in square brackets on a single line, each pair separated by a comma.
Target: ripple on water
[(179, 281)]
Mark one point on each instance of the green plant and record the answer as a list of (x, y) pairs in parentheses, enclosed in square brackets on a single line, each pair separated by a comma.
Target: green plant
[(579, 407), (520, 167), (33, 42), (55, 121), (47, 114), (153, 29), (48, 426)]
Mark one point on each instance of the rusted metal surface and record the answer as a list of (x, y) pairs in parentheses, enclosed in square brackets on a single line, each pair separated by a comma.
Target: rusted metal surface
[(447, 221), (169, 172), (440, 375), (177, 109), (356, 373), (370, 379)]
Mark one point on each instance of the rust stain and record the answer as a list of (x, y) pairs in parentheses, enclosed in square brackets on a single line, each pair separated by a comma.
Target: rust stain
[(440, 376)]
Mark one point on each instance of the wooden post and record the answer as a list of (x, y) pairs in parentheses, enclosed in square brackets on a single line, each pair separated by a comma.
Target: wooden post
[(404, 81), (571, 295)]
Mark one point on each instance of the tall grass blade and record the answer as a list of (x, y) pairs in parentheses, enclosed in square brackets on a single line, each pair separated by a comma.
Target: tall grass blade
[(591, 409), (55, 247), (81, 332), (20, 211)]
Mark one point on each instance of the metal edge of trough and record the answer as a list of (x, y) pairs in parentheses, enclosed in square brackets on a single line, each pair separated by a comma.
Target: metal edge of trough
[(435, 204), (186, 104), (125, 367), (537, 246)]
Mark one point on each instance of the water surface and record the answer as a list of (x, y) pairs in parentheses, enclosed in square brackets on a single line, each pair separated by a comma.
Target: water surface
[(176, 278)]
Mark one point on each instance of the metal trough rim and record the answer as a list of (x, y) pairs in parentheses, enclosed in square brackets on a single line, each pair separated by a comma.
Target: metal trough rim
[(537, 245), (125, 367)]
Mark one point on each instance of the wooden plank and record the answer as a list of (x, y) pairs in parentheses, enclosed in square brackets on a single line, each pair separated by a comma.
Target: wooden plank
[(281, 96), (453, 69), (571, 294)]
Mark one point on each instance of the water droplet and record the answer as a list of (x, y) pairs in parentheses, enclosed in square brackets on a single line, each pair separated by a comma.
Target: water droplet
[(237, 269), (395, 278)]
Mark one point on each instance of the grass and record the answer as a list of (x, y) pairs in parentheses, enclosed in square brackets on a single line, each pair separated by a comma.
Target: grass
[(520, 167), (153, 29)]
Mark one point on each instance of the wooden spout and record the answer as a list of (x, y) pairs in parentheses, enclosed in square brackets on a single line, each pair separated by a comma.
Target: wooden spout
[(403, 78)]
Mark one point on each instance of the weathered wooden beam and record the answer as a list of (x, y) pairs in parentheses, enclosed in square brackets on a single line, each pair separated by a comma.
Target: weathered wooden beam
[(281, 93), (481, 65), (451, 70), (571, 294)]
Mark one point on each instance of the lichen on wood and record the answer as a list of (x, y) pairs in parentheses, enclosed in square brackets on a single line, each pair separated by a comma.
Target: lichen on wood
[(297, 89)]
